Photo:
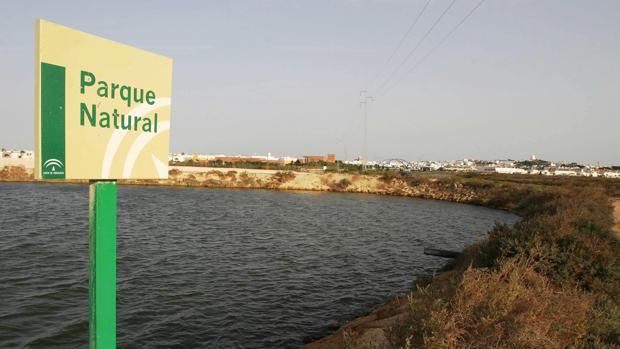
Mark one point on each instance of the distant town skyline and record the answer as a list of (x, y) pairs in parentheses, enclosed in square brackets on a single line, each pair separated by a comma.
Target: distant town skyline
[(240, 157), (518, 77)]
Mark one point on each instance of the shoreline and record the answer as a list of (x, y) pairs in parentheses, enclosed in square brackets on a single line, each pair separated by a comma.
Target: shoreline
[(429, 188)]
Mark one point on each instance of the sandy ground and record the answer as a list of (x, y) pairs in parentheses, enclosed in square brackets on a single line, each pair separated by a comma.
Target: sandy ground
[(616, 204), (198, 169), (27, 163)]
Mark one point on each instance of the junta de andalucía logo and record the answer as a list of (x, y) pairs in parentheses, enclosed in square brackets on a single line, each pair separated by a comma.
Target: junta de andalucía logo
[(53, 166)]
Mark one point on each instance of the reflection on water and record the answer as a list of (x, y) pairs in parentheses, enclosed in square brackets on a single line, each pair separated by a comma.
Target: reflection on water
[(202, 268)]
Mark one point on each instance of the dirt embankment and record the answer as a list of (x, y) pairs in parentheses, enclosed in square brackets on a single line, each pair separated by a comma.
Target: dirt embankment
[(616, 204), (427, 187), (16, 174), (307, 181)]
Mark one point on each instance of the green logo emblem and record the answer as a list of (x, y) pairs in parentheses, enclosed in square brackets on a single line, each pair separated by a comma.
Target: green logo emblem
[(53, 167)]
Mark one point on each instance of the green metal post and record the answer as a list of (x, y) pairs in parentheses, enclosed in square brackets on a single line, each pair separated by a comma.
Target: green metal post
[(102, 265)]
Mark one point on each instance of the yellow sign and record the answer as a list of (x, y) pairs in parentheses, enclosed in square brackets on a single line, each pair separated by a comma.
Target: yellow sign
[(102, 108)]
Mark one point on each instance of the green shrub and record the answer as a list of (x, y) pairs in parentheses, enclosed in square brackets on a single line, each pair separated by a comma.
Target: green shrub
[(552, 280)]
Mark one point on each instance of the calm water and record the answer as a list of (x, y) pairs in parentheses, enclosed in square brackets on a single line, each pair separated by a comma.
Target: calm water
[(200, 268)]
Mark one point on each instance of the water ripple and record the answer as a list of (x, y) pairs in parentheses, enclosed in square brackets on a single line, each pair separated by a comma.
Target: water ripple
[(228, 269)]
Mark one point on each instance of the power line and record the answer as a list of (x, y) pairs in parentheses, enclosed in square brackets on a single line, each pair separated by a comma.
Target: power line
[(441, 42), (348, 125), (364, 99), (415, 48), (400, 43)]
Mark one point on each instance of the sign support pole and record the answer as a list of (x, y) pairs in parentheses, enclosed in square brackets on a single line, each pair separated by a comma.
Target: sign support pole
[(102, 265)]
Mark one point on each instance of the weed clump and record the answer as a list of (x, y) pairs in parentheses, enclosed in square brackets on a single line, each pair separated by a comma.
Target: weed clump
[(282, 177), (550, 281), (514, 307)]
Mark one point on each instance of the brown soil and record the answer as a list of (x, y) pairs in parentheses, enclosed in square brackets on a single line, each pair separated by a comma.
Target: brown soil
[(16, 173), (616, 204)]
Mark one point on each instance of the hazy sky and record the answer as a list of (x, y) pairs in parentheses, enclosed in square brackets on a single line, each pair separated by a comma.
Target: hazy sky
[(519, 77)]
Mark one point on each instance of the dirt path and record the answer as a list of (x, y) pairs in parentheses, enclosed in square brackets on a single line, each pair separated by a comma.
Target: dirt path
[(616, 204)]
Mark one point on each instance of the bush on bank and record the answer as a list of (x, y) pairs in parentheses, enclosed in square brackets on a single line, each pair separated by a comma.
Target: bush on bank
[(550, 281)]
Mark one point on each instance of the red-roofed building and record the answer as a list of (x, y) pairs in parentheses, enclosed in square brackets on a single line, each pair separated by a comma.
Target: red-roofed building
[(317, 158)]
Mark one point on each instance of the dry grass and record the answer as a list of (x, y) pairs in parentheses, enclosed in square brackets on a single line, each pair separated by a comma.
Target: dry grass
[(283, 177), (514, 307), (15, 173), (174, 172), (550, 281)]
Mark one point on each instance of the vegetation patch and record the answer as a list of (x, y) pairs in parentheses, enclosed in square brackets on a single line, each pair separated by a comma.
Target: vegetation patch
[(15, 173), (282, 177), (512, 307), (550, 281)]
